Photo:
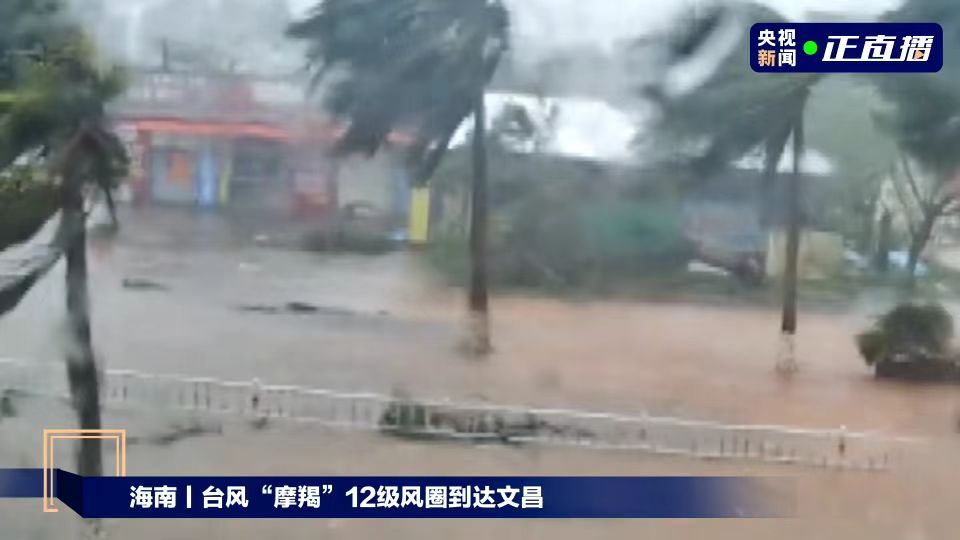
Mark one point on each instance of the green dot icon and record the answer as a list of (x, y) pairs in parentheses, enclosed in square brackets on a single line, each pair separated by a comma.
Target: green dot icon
[(810, 47)]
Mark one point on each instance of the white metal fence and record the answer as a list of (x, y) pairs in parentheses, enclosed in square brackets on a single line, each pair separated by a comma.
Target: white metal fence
[(838, 448)]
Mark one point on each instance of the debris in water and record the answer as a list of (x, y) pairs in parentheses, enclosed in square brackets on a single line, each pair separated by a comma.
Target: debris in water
[(259, 308), (7, 410), (144, 285), (301, 307), (177, 433)]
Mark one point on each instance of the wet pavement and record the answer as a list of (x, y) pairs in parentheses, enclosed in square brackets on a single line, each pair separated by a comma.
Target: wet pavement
[(186, 294), (911, 503), (203, 299)]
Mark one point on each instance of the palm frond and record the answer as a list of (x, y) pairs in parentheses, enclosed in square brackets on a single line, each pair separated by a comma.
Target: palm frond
[(923, 113), (52, 105), (735, 111), (417, 65)]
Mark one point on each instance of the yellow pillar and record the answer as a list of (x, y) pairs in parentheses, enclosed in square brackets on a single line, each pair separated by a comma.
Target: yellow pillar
[(419, 215)]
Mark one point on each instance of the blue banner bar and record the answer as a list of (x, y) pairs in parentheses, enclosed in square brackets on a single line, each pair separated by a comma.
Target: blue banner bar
[(846, 47), (408, 497), (21, 483)]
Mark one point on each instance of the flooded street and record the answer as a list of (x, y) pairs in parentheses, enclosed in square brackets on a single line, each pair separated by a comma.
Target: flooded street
[(896, 505), (201, 303), (383, 323), (442, 239)]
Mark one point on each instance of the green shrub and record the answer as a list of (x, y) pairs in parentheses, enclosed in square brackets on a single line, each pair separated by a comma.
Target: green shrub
[(871, 345), (557, 237), (560, 223), (920, 331), (25, 205), (447, 252), (924, 325)]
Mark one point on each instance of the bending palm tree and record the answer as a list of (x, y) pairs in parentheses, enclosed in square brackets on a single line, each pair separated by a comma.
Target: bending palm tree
[(419, 65), (732, 113), (53, 106), (923, 117)]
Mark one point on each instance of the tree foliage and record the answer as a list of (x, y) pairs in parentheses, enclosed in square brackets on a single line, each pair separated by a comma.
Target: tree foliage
[(915, 331), (924, 109), (53, 88), (716, 110), (840, 120), (922, 114), (733, 111), (418, 65), (561, 223), (53, 109), (25, 203), (53, 95)]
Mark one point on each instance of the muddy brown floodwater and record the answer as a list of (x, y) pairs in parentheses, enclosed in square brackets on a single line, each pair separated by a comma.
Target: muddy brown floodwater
[(384, 323), (913, 502)]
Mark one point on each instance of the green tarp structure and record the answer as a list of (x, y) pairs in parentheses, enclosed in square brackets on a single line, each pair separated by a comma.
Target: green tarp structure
[(632, 230)]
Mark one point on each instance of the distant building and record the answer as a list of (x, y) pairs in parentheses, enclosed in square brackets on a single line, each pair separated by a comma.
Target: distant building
[(731, 217), (233, 141), (224, 141)]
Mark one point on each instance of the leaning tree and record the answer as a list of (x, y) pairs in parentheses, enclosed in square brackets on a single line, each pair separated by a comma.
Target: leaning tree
[(923, 117), (55, 140), (417, 65), (708, 124)]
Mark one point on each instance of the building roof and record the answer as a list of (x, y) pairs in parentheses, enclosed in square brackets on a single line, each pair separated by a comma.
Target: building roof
[(813, 162), (593, 130), (581, 128)]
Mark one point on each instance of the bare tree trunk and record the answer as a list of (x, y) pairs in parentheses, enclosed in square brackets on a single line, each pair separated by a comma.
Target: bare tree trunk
[(882, 261), (81, 364), (787, 362), (918, 242), (479, 332), (868, 227), (111, 209)]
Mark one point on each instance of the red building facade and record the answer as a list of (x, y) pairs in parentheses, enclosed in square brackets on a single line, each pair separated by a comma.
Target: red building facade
[(226, 141)]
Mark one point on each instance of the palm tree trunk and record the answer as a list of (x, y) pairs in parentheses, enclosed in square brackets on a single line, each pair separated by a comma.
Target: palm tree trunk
[(868, 225), (111, 208), (917, 243), (882, 256), (787, 362), (479, 332), (81, 364)]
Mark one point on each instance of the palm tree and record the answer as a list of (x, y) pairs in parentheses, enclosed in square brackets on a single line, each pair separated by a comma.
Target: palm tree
[(419, 65), (53, 106), (731, 113), (923, 117)]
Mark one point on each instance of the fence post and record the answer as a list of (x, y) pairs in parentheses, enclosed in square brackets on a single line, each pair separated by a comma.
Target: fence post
[(842, 442), (256, 399), (828, 448), (643, 427)]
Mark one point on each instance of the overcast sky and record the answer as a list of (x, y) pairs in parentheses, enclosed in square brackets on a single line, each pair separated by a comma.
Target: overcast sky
[(575, 22), (569, 22), (547, 23), (542, 26)]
